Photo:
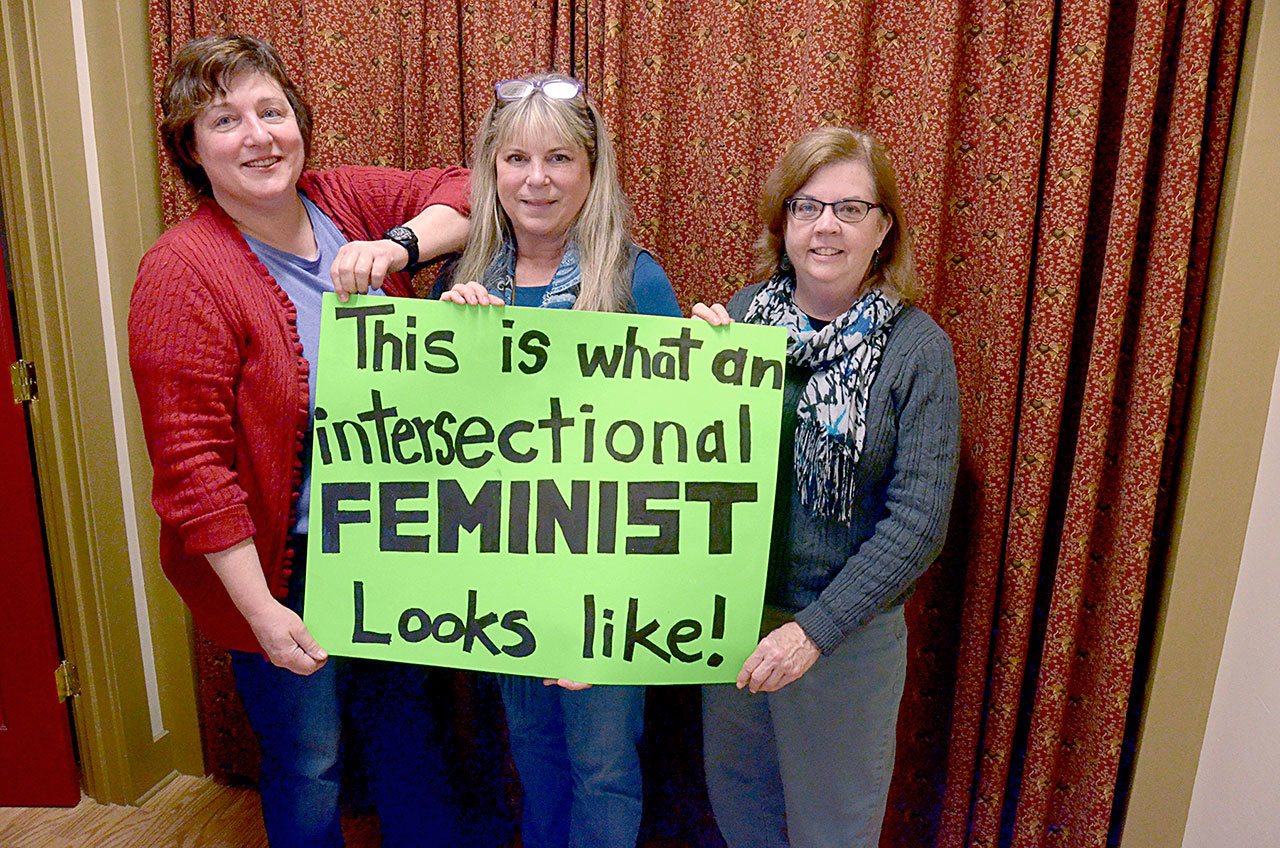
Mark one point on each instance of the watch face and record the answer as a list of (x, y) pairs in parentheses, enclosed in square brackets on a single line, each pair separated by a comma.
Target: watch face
[(402, 235)]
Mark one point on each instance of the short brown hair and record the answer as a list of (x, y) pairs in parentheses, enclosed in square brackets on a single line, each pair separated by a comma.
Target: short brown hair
[(198, 75), (895, 269)]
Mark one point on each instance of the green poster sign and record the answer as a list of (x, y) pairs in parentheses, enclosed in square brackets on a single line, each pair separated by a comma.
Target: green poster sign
[(542, 491)]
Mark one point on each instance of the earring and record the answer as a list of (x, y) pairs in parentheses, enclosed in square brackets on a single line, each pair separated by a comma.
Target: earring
[(784, 262), (875, 259)]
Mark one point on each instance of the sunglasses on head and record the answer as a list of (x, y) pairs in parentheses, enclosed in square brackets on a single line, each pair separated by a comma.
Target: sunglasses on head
[(556, 88)]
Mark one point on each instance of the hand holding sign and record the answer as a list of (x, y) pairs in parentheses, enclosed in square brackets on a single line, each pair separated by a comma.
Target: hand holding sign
[(782, 657), (571, 685), (471, 293)]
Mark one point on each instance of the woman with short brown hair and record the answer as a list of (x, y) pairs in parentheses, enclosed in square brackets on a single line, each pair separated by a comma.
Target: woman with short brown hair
[(223, 334)]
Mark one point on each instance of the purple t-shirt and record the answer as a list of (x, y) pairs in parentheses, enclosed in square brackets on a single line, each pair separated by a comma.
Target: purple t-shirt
[(305, 281)]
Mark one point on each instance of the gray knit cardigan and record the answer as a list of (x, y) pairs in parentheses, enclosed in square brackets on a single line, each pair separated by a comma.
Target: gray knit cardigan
[(832, 577)]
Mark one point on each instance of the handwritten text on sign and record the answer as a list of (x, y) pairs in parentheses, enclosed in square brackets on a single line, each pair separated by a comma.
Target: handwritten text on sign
[(544, 492)]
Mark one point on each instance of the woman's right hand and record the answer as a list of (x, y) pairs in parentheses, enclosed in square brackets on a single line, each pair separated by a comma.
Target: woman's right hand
[(280, 632), (286, 641), (363, 265), (472, 294), (715, 314)]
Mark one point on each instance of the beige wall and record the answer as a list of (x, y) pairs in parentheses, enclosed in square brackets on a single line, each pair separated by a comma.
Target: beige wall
[(1234, 382), (1236, 799)]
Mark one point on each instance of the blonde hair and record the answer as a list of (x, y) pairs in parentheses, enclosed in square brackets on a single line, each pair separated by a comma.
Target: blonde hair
[(602, 227), (894, 269)]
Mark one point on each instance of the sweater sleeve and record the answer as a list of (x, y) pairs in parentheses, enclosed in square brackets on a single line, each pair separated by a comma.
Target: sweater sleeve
[(366, 201), (651, 289), (741, 301), (918, 500), (185, 363)]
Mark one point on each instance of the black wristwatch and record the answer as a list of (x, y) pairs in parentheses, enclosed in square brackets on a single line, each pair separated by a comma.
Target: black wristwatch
[(406, 238)]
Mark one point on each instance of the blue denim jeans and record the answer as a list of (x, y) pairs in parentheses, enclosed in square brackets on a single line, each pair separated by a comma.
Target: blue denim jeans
[(298, 723), (809, 766), (579, 763)]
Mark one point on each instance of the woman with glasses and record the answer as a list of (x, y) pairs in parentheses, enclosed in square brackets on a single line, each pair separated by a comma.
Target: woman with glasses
[(550, 227), (800, 751), (224, 326)]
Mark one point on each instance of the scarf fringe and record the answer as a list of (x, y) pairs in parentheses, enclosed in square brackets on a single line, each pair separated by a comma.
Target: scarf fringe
[(824, 473), (845, 357)]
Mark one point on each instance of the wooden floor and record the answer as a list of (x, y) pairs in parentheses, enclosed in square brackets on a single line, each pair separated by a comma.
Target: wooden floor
[(190, 812)]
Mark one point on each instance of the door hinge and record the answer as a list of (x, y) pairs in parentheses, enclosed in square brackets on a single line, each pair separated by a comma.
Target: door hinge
[(68, 680), (23, 376)]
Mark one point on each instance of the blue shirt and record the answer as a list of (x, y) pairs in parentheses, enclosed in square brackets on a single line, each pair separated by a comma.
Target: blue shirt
[(305, 281), (650, 289)]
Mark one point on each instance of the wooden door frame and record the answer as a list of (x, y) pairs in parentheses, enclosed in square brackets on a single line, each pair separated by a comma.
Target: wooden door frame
[(80, 190)]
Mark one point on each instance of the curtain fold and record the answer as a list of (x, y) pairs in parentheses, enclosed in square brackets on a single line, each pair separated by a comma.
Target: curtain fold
[(1060, 163), (1077, 733)]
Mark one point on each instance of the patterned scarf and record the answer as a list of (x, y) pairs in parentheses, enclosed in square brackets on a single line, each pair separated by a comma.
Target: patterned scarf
[(561, 293), (831, 417)]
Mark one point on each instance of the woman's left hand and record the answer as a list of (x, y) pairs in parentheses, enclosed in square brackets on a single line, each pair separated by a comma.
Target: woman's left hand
[(781, 657), (715, 314), (363, 265), (471, 293), (565, 683)]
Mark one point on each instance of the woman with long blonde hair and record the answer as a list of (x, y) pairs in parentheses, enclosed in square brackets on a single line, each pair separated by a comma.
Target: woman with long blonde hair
[(550, 224), (550, 228)]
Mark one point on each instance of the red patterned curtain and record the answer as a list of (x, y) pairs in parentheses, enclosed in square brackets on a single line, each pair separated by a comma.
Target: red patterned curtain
[(1060, 164)]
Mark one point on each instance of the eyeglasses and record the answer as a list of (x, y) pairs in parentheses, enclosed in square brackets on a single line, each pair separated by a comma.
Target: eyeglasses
[(556, 88), (849, 210)]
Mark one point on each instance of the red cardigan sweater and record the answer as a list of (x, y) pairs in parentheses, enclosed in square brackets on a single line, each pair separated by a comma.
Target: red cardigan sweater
[(223, 385)]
